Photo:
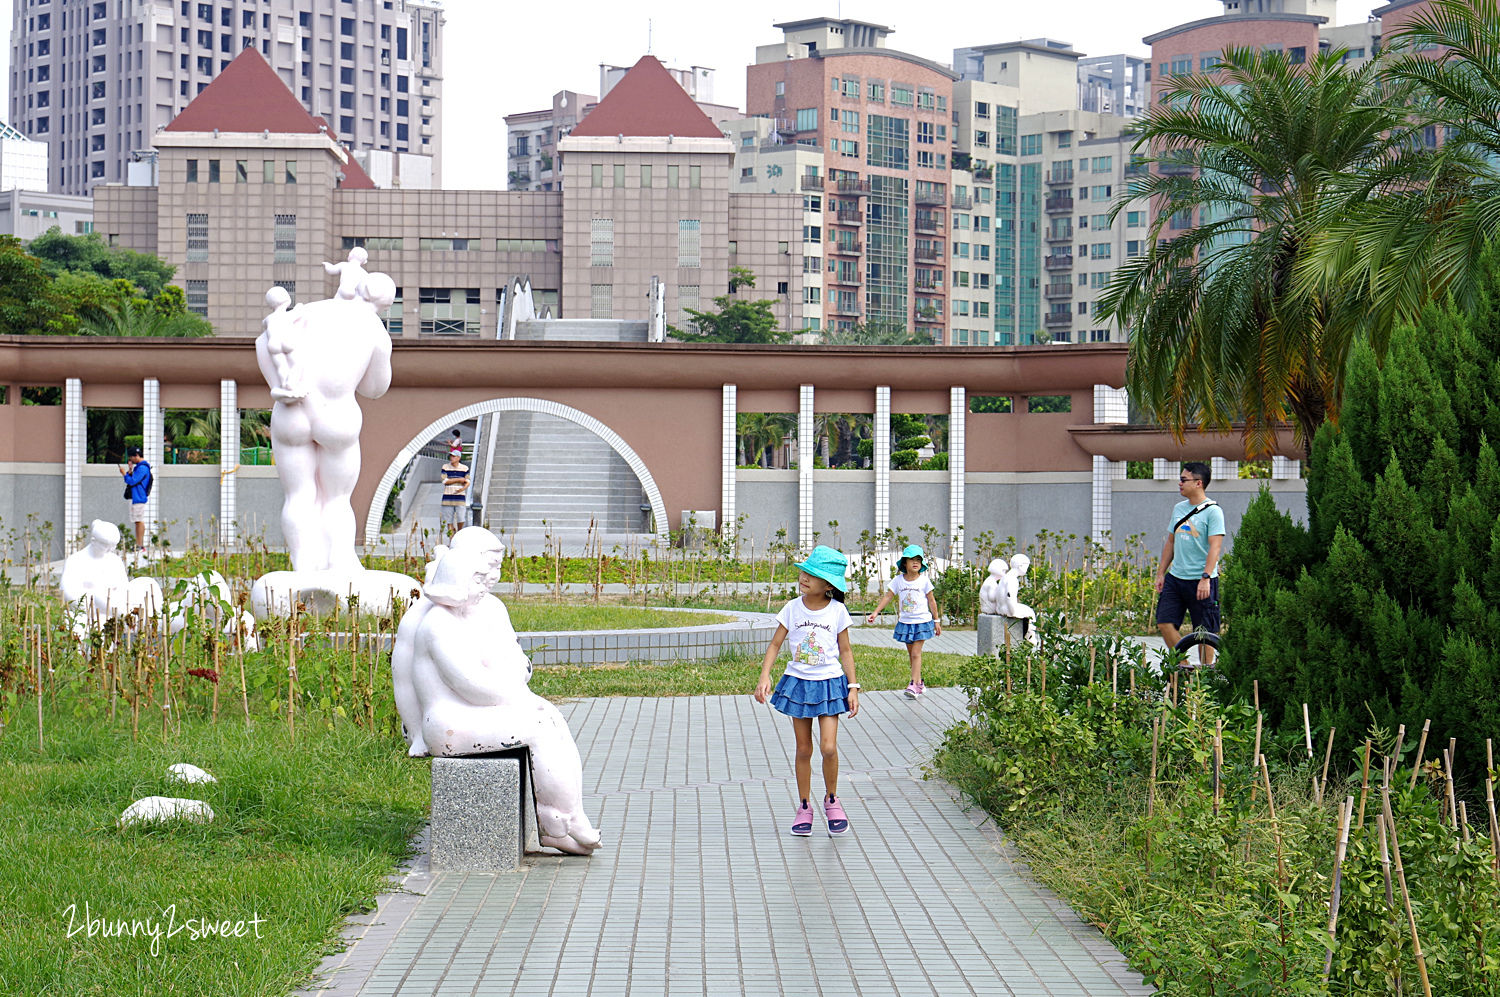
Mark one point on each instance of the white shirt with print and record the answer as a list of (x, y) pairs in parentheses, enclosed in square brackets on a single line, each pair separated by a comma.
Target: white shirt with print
[(911, 598), (813, 638)]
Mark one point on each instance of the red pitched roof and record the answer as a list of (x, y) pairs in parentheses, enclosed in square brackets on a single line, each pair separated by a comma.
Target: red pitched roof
[(355, 177), (647, 101), (247, 96)]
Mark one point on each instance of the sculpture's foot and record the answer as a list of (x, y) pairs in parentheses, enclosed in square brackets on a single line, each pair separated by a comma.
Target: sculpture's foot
[(418, 749), (571, 832), (288, 395), (569, 844)]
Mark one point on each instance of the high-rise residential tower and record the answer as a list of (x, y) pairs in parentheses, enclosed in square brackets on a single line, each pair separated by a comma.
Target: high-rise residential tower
[(97, 79)]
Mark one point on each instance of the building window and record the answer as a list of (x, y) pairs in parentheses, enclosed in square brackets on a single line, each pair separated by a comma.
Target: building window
[(602, 243), (197, 297), (596, 175), (449, 311), (674, 178), (875, 92), (695, 176), (213, 171), (285, 248), (687, 298), (688, 242), (291, 171), (192, 171), (241, 171), (197, 237), (1031, 145), (645, 177), (268, 171), (601, 301), (807, 119)]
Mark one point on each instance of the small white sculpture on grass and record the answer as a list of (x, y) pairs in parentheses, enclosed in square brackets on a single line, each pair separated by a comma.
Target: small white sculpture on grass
[(96, 585), (317, 358), (183, 772), (461, 690), (155, 809)]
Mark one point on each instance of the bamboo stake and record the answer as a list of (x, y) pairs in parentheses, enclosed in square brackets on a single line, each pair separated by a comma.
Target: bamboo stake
[(41, 740), (1345, 815), (1448, 779), (1385, 862), (1307, 731), (1114, 677), (1093, 651), (291, 675), (1463, 820), (1265, 773), (1132, 682), (1218, 763), (1255, 686), (1044, 677), (1259, 719), (1395, 756), (217, 675), (1322, 782), (1151, 797), (1364, 788), (1411, 921), (1489, 799), (374, 658), (1421, 749)]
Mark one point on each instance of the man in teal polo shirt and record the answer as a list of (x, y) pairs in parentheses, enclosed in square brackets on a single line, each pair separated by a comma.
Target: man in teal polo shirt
[(1188, 575)]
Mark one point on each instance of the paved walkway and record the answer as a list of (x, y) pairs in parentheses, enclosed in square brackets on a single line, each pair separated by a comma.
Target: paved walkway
[(700, 889)]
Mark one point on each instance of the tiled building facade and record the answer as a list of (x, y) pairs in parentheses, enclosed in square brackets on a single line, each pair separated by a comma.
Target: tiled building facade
[(95, 80)]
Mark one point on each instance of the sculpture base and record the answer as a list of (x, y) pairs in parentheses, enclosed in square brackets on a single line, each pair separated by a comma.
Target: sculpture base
[(483, 815), (275, 594), (992, 629)]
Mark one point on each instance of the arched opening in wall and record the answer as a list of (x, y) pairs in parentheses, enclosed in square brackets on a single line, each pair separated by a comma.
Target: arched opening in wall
[(540, 472)]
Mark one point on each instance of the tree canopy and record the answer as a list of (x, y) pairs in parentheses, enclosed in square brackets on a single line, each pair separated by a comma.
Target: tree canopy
[(736, 321)]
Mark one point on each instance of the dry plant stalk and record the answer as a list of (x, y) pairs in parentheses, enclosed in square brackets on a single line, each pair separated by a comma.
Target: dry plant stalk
[(1394, 759), (1421, 750), (1265, 773), (1345, 816), (1321, 783), (1411, 921), (1218, 763), (1364, 788), (1151, 796), (1307, 731)]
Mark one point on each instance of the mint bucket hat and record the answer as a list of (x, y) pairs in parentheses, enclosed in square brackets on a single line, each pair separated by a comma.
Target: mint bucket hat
[(827, 564), (913, 550)]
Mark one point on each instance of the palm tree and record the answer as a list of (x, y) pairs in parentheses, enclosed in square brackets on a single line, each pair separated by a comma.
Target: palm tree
[(1416, 229), (759, 431), (1249, 158)]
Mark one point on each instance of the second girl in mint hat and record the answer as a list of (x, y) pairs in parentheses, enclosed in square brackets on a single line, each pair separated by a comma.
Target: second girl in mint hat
[(819, 679), (917, 620)]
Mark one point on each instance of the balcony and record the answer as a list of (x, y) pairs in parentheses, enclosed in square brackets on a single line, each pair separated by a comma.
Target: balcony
[(932, 198), (807, 182), (842, 279), (962, 202), (845, 248), (850, 216), (1059, 290), (928, 284), (1057, 320), (1174, 169), (928, 317), (928, 223), (1058, 204), (1060, 235), (1057, 175), (844, 309), (856, 186), (927, 255), (985, 174), (1059, 261)]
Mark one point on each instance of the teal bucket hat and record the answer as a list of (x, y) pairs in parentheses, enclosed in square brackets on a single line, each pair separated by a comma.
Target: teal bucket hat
[(912, 550), (827, 564)]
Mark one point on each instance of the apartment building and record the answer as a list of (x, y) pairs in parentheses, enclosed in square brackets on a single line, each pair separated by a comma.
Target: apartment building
[(883, 121), (96, 80), (251, 191)]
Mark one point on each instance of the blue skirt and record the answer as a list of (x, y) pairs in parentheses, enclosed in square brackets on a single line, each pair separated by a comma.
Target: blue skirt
[(907, 633), (807, 698)]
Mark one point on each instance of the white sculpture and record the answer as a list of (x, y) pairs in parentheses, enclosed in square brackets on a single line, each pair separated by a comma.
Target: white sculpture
[(183, 772), (991, 588), (316, 358), (1008, 602), (95, 583), (469, 694), (351, 274), (160, 808)]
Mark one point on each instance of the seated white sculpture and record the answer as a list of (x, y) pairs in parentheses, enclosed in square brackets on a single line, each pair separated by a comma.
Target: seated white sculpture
[(1008, 602), (95, 583), (989, 591), (471, 698)]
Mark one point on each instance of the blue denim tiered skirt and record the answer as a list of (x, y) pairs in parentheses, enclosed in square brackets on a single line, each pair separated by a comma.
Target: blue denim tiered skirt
[(908, 633), (809, 698)]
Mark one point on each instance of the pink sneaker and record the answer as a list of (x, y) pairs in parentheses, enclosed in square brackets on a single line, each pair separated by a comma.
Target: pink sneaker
[(802, 823), (915, 689), (838, 821)]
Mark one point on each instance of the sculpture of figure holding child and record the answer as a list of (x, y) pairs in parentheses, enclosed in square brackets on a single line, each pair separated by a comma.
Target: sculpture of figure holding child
[(999, 595)]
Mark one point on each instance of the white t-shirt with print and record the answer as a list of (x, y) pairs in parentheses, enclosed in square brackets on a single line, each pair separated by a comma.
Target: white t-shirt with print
[(911, 598), (813, 638)]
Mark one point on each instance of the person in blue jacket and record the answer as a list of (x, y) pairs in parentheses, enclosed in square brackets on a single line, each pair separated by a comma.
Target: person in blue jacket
[(137, 488)]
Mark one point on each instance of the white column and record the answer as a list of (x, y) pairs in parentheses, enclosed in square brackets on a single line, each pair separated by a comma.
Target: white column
[(75, 434), (151, 428), (1285, 469), (958, 408), (229, 461), (1111, 404), (1223, 470), (1106, 471), (728, 461), (881, 458), (1165, 470), (805, 467)]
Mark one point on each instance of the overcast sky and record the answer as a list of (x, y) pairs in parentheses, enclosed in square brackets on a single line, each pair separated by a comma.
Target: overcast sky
[(502, 58)]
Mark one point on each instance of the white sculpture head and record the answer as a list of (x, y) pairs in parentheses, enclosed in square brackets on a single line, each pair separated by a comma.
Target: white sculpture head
[(460, 579), (359, 256), (103, 536), (484, 543), (278, 297), (1020, 563), (997, 567), (379, 290)]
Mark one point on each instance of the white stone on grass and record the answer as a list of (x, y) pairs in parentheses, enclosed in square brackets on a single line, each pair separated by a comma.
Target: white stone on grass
[(183, 772), (155, 809)]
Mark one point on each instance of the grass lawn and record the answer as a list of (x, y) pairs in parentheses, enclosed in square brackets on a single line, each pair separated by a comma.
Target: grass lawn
[(530, 616)]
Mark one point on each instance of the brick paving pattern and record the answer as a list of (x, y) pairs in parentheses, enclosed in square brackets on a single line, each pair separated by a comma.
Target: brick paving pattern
[(700, 890)]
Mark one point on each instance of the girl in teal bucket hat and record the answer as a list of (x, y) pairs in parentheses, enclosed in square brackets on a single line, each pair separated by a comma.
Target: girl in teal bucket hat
[(917, 620), (819, 679)]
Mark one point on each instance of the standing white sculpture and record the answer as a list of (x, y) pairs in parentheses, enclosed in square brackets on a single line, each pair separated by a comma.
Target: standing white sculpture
[(94, 581), (316, 358), (461, 691)]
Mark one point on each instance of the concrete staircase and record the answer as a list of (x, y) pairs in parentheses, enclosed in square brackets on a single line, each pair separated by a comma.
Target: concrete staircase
[(549, 469)]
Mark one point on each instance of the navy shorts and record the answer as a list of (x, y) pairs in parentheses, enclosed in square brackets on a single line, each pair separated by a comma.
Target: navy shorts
[(1180, 595)]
